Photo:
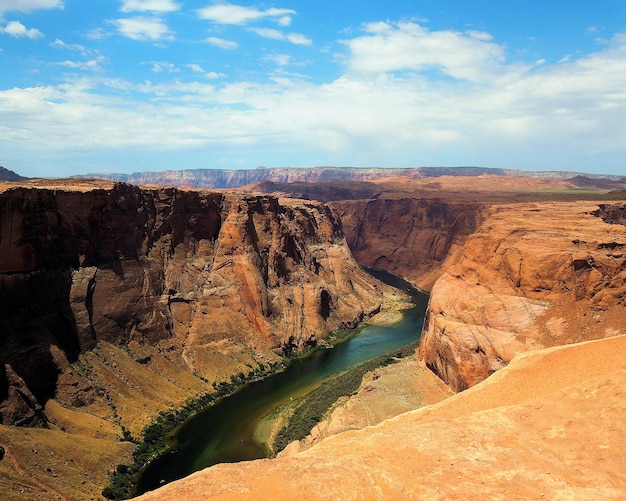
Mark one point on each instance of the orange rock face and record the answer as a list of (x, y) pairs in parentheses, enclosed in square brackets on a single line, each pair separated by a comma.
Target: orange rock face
[(531, 276), (208, 278), (544, 427)]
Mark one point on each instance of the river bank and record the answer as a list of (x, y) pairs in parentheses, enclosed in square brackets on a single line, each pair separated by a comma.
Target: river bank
[(299, 417)]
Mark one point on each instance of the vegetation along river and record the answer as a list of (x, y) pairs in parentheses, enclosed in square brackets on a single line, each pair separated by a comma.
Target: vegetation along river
[(224, 432)]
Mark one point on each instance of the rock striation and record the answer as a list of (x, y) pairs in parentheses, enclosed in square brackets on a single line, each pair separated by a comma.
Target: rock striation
[(223, 178), (410, 237), (215, 283), (531, 276)]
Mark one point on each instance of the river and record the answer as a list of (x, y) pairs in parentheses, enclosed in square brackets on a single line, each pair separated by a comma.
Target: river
[(224, 432)]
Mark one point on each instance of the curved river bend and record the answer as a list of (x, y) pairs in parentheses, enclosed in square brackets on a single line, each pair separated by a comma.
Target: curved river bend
[(224, 432)]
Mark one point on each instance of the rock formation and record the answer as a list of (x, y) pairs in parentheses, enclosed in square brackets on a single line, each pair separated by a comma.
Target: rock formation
[(118, 302), (215, 283), (410, 237), (504, 277), (531, 276), (9, 175)]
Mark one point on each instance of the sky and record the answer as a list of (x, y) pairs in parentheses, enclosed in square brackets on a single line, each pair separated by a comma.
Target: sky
[(149, 85)]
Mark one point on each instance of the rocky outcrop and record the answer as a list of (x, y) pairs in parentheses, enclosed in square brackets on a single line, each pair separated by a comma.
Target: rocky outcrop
[(206, 279), (545, 427), (530, 276), (9, 175)]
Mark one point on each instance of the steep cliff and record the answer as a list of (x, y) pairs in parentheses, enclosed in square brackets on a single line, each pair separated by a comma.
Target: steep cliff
[(410, 237), (531, 276), (504, 277), (119, 301)]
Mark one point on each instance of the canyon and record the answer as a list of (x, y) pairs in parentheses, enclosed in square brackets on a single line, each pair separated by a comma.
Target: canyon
[(119, 302), (166, 290)]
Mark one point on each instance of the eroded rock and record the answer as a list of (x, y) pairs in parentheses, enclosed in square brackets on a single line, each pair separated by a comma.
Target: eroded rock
[(531, 276)]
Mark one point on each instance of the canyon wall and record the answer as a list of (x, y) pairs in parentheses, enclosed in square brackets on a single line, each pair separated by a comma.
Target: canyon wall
[(543, 269), (548, 426), (410, 237), (153, 289), (504, 277), (531, 276)]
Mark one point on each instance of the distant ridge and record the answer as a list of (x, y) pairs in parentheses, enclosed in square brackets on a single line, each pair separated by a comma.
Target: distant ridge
[(220, 178), (9, 175)]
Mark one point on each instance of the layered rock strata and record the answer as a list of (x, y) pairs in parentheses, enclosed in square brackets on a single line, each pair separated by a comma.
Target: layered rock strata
[(531, 276), (207, 284)]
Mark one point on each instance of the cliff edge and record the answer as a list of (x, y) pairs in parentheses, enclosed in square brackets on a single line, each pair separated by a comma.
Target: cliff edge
[(118, 302), (545, 427)]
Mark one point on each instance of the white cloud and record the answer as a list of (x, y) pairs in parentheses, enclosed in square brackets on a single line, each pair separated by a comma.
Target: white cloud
[(143, 29), (273, 34), (222, 43), (405, 46), (18, 30), (161, 66), (60, 44), (298, 39), (268, 33), (195, 67), (284, 21), (227, 13), (212, 75), (29, 5), (98, 34), (91, 65), (149, 6), (280, 59)]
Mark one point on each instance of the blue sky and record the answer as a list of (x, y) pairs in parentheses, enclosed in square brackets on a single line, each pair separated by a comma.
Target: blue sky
[(133, 85)]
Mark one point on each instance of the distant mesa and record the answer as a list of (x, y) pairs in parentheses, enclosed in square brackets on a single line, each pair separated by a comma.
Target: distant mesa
[(220, 178)]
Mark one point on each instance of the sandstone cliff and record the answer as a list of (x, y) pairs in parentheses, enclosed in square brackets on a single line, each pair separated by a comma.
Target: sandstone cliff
[(531, 276), (119, 301), (410, 237), (504, 277)]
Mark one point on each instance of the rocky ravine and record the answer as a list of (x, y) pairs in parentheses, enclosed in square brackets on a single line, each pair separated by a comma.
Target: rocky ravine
[(118, 302), (546, 424), (211, 277), (410, 237)]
